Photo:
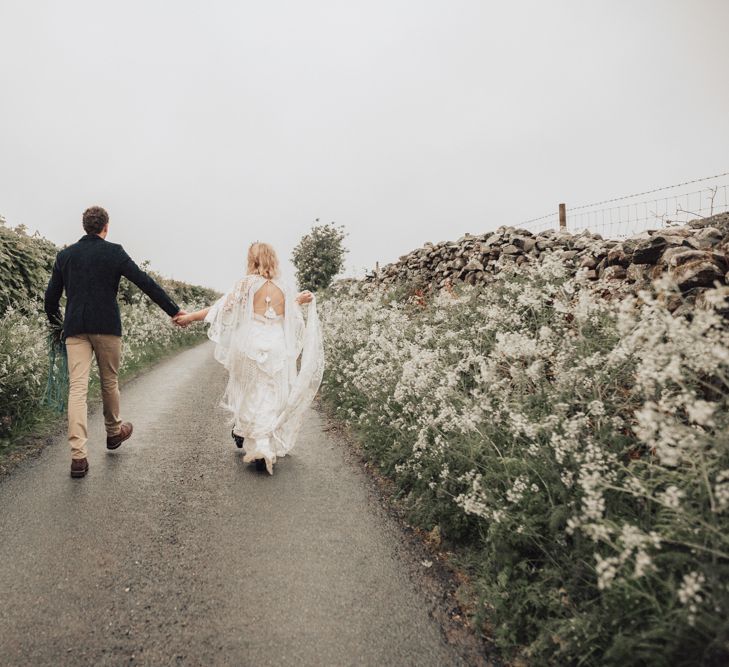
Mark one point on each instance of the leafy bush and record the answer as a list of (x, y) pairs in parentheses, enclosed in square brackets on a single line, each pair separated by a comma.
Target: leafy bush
[(319, 256), (180, 292), (23, 364), (25, 265), (578, 445)]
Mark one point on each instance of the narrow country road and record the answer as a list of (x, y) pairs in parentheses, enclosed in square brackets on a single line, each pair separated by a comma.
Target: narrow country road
[(174, 552)]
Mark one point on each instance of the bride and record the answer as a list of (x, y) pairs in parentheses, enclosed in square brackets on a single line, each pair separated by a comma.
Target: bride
[(260, 335)]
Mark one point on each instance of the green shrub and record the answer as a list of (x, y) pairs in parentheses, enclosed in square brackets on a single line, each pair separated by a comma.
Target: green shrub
[(319, 256), (25, 265), (23, 365)]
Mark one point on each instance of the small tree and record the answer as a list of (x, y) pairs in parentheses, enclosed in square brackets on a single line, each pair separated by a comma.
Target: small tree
[(319, 256)]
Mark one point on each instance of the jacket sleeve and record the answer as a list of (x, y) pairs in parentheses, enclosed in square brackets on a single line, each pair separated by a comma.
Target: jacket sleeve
[(145, 283), (52, 300)]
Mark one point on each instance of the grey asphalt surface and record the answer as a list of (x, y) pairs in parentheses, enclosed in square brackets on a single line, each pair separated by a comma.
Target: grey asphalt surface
[(172, 551)]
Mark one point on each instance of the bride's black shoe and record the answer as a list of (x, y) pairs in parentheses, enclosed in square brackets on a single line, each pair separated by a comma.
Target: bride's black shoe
[(260, 465), (238, 439)]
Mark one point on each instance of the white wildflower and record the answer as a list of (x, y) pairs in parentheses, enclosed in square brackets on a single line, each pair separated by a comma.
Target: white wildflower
[(671, 497)]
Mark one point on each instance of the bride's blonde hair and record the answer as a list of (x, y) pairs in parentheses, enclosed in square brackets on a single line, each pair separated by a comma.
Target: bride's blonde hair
[(262, 260)]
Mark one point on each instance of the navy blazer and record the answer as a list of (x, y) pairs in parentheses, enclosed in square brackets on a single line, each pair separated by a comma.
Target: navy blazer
[(90, 271)]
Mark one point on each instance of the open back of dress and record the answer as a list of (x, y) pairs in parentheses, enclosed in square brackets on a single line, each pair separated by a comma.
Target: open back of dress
[(269, 300)]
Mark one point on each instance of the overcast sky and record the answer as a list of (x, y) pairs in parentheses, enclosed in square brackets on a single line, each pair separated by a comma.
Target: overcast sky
[(203, 126)]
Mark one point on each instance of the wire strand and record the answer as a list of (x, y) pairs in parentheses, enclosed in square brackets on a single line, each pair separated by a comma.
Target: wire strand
[(624, 197)]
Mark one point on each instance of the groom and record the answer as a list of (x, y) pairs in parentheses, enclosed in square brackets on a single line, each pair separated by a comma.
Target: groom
[(90, 271)]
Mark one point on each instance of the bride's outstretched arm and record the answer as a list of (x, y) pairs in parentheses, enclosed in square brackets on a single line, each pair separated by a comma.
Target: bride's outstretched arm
[(198, 315)]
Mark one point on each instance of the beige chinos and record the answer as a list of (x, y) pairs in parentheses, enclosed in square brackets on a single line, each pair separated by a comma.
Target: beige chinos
[(81, 349)]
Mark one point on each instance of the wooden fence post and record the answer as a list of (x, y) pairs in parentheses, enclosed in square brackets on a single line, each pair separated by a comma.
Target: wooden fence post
[(562, 217)]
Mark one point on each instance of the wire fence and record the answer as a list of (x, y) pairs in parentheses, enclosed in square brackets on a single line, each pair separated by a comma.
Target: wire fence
[(630, 214)]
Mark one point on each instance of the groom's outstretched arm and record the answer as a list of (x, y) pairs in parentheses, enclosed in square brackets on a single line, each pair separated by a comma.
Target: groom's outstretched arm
[(145, 283)]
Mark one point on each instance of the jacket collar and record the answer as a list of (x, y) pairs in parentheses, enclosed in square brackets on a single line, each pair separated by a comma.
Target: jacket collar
[(91, 237)]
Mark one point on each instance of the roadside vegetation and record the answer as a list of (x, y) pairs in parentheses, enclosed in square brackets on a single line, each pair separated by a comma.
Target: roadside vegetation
[(570, 446)]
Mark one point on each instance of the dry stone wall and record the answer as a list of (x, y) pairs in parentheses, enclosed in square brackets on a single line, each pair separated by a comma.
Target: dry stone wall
[(695, 255)]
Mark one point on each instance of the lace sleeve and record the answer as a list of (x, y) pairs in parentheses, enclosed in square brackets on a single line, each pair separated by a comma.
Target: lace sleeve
[(224, 313), (238, 295)]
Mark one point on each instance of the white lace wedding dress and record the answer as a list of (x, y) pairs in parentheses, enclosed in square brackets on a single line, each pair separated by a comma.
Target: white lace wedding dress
[(275, 365)]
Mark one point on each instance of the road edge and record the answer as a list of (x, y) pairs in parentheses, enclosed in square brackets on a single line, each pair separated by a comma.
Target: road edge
[(440, 581)]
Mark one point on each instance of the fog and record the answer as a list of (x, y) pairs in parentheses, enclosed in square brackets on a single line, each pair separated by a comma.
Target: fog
[(203, 126)]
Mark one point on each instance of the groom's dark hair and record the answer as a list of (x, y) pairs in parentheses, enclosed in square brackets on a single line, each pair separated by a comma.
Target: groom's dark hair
[(95, 219)]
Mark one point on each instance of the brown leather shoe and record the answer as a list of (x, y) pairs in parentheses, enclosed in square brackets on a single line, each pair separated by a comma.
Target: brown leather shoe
[(113, 441), (79, 467)]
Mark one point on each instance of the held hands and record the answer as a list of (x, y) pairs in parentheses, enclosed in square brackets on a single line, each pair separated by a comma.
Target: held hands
[(304, 297), (182, 319)]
